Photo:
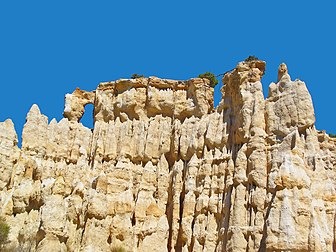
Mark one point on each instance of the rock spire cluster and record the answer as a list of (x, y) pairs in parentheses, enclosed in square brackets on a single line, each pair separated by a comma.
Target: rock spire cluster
[(163, 170)]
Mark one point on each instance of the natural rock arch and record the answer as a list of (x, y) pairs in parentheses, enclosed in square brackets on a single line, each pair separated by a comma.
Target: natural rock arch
[(75, 103)]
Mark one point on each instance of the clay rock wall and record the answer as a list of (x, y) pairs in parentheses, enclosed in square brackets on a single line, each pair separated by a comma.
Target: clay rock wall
[(162, 170)]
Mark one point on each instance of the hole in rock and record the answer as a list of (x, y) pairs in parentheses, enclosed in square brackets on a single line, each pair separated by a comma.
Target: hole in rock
[(87, 119)]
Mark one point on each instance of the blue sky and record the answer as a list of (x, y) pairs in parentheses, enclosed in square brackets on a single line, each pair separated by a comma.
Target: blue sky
[(48, 48)]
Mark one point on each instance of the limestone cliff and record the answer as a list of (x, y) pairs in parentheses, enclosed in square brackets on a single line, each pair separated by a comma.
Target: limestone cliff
[(163, 170)]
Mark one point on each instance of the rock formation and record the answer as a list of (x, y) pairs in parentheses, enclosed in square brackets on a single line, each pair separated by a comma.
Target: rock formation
[(163, 170)]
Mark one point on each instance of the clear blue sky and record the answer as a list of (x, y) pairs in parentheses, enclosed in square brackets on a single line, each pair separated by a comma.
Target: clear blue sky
[(48, 48)]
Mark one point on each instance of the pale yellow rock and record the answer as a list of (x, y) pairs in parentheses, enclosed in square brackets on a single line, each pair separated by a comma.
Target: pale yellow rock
[(162, 170), (288, 106), (75, 103), (283, 75), (9, 153), (51, 243), (96, 235), (53, 215)]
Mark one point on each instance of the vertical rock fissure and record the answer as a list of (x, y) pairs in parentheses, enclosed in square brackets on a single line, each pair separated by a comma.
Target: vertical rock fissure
[(262, 246), (227, 208), (169, 211)]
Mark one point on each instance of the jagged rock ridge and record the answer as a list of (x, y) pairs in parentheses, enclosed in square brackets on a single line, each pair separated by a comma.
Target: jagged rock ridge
[(163, 170)]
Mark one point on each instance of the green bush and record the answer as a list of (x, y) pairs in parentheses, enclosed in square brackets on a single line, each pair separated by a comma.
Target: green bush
[(332, 135), (211, 77), (4, 231), (251, 58), (137, 76)]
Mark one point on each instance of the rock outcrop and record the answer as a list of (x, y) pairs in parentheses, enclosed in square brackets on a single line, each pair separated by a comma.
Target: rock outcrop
[(163, 170)]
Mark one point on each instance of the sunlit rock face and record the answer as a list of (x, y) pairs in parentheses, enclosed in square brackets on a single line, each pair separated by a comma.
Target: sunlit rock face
[(163, 170)]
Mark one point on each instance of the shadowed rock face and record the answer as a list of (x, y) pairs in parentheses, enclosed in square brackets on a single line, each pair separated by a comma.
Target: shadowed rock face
[(162, 170)]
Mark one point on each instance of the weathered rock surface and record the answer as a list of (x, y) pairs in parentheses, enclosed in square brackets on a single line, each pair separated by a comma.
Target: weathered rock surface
[(289, 106), (162, 170)]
